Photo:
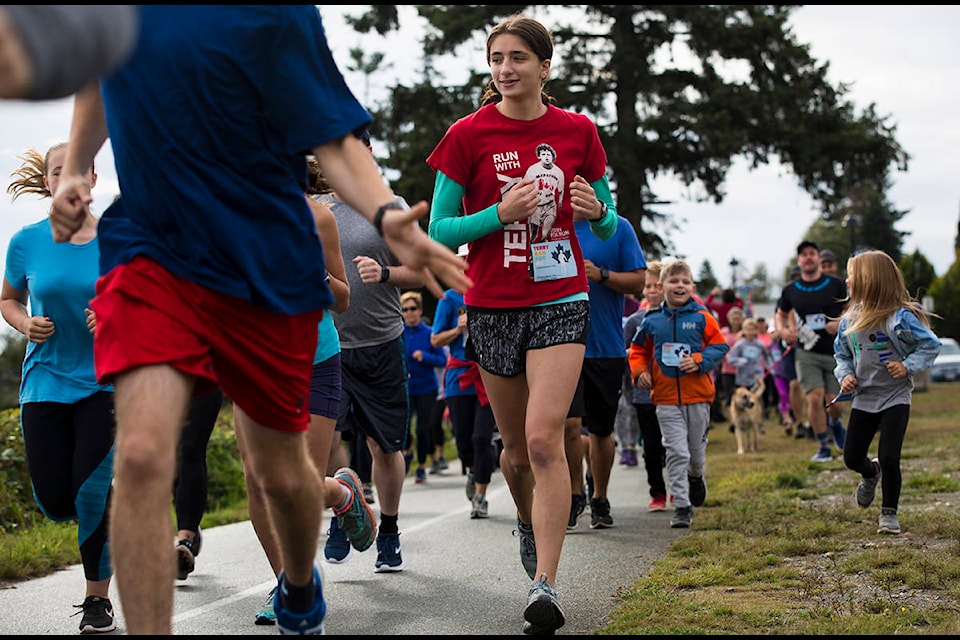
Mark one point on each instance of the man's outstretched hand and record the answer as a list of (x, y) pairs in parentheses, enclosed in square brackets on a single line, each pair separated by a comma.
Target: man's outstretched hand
[(415, 249)]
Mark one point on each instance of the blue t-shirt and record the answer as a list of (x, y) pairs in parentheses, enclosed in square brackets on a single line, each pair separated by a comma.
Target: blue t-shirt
[(328, 340), (60, 279), (210, 120), (619, 253)]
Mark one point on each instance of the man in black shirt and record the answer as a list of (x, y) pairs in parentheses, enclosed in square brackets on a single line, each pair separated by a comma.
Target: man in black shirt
[(809, 313)]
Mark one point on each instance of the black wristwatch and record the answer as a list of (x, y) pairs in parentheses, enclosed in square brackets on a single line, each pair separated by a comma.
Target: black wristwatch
[(384, 273), (604, 274), (378, 218), (603, 212)]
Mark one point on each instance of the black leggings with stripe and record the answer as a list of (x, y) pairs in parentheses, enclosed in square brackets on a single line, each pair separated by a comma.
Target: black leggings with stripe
[(70, 457)]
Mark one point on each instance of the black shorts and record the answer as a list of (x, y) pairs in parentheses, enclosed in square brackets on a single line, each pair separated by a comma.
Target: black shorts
[(326, 386), (374, 398), (500, 338), (602, 380)]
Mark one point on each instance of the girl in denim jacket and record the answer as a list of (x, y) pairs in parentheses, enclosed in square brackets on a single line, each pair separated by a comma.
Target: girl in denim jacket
[(883, 341)]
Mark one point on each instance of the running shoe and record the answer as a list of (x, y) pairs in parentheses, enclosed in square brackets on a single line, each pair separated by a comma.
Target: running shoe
[(822, 455), (187, 551), (698, 490), (867, 489), (600, 514), (368, 494), (471, 486), (337, 549), (421, 475), (479, 507), (542, 615), (682, 518), (657, 503), (300, 624), (388, 553), (97, 615), (356, 519), (528, 547), (267, 615), (578, 503), (888, 522)]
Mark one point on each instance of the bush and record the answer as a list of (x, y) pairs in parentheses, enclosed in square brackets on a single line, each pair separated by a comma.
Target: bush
[(19, 510), (17, 506)]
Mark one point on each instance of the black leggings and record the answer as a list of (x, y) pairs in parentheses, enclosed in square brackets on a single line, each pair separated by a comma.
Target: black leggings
[(423, 405), (70, 457), (190, 485), (861, 428), (654, 454), (473, 427)]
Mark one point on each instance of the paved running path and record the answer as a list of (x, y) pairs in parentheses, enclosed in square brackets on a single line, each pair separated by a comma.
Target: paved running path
[(461, 576)]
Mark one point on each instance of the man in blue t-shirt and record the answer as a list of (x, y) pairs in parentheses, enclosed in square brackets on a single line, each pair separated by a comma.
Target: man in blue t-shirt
[(212, 272), (614, 267)]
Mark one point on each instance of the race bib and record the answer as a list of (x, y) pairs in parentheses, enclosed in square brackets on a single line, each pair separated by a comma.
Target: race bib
[(816, 321), (673, 352), (552, 260)]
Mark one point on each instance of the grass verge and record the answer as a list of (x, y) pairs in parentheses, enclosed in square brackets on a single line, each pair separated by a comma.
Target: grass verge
[(781, 547)]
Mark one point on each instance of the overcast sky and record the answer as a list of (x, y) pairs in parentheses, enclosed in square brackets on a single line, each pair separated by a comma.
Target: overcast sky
[(903, 59)]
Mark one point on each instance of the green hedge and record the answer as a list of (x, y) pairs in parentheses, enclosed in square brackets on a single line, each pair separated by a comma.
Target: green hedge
[(19, 511)]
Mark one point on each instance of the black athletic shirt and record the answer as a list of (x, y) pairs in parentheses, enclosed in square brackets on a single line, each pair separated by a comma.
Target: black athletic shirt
[(816, 303)]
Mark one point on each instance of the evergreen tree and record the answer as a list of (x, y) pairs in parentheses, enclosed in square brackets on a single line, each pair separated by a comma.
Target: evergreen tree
[(706, 280), (677, 90)]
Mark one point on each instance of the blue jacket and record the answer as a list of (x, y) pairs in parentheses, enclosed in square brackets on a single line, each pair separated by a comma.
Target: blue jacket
[(664, 333), (422, 375)]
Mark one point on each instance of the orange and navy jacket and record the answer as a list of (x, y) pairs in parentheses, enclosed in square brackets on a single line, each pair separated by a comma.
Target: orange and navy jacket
[(664, 336)]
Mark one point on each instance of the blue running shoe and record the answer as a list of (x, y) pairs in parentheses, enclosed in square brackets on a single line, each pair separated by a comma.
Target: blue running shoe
[(300, 624), (388, 553), (337, 549), (356, 519)]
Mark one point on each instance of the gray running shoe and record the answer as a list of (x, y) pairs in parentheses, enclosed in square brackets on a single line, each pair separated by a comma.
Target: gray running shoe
[(888, 522), (682, 518), (471, 486), (480, 507), (528, 547), (543, 615), (867, 488)]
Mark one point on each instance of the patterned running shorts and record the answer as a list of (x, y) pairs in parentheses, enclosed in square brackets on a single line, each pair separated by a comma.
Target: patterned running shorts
[(500, 338)]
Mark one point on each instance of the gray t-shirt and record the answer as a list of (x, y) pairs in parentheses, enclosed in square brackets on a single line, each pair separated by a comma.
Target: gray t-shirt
[(374, 314), (876, 389)]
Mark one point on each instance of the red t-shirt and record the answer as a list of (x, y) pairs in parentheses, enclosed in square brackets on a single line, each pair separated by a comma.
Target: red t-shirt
[(487, 153)]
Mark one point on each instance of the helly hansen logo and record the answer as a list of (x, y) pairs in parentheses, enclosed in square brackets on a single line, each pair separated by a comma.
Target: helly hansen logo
[(688, 325)]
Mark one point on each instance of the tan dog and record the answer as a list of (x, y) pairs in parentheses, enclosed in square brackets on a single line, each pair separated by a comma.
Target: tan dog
[(746, 414)]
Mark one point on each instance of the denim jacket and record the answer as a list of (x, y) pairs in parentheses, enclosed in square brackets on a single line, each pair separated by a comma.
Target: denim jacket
[(915, 343)]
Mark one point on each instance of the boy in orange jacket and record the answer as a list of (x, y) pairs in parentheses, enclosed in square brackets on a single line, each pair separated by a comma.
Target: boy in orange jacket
[(674, 353)]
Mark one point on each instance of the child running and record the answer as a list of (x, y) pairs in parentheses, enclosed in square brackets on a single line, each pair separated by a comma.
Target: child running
[(884, 340), (673, 353)]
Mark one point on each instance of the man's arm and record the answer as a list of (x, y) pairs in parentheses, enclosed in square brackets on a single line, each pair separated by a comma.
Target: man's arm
[(88, 132), (354, 174)]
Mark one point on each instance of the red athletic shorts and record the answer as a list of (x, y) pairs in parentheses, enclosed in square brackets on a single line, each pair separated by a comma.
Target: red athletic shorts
[(262, 360)]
